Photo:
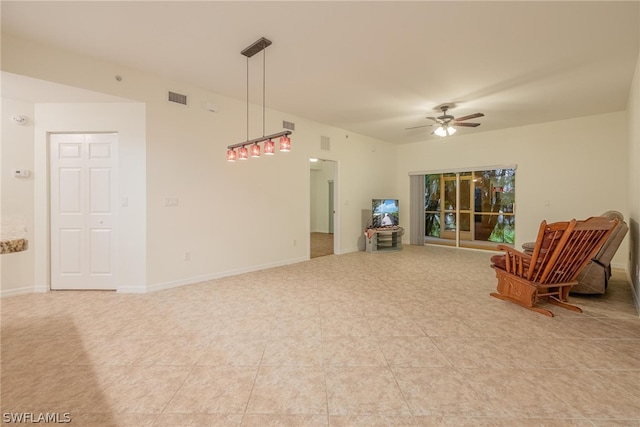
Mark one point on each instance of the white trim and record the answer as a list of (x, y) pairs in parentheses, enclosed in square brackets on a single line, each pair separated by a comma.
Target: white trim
[(17, 291), (337, 222), (488, 251), (460, 170), (206, 277), (346, 251), (131, 289), (619, 266), (54, 139)]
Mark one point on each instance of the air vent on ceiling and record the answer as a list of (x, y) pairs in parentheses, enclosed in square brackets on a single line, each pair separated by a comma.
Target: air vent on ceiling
[(325, 143), (288, 125), (178, 98)]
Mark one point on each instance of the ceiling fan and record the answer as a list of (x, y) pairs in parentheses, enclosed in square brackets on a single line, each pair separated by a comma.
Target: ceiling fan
[(446, 122)]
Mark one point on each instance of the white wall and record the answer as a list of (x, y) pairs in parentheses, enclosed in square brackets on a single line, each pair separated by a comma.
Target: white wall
[(17, 275), (128, 120), (230, 217), (256, 214), (26, 147), (579, 166), (633, 115)]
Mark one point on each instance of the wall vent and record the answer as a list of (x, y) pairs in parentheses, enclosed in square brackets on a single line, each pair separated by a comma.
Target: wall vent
[(178, 98), (288, 125), (325, 143)]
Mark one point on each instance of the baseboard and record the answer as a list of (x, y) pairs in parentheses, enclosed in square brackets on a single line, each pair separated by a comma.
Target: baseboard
[(141, 289), (17, 291), (618, 266), (131, 289), (348, 250), (635, 292), (199, 279)]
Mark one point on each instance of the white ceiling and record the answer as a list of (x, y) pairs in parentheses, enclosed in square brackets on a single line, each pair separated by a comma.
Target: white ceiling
[(370, 67)]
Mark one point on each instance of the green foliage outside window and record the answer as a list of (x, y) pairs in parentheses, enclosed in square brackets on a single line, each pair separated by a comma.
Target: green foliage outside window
[(492, 205)]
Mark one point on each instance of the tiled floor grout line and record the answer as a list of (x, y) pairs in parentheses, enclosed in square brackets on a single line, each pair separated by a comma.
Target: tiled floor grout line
[(255, 379)]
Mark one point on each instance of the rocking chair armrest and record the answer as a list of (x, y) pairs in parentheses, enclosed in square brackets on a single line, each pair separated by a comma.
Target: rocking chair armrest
[(514, 252), (515, 262)]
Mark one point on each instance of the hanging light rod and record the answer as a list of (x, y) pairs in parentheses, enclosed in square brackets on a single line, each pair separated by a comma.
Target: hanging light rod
[(259, 140)]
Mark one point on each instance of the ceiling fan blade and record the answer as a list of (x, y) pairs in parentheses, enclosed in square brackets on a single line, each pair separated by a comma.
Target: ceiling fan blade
[(471, 125), (470, 116), (435, 119), (417, 127)]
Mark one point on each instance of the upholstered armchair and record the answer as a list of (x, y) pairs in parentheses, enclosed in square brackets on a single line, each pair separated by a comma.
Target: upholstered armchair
[(595, 276)]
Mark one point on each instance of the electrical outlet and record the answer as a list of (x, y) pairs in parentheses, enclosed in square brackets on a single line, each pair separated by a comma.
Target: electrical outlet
[(187, 256), (170, 202)]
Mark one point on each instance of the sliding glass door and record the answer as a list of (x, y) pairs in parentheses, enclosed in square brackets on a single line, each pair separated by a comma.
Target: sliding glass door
[(470, 209)]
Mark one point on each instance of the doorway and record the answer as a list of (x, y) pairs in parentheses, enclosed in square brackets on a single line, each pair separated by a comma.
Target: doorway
[(322, 208), (473, 209), (83, 185)]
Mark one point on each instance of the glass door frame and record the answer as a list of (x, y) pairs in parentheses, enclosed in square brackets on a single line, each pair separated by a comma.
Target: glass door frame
[(443, 213)]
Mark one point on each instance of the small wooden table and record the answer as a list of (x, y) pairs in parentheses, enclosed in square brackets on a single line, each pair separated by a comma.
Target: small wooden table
[(384, 239)]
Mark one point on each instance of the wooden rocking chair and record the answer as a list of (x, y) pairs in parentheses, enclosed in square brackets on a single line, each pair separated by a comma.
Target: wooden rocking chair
[(561, 251)]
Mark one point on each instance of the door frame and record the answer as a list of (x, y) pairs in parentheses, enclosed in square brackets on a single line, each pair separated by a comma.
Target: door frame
[(464, 238), (332, 206), (115, 209), (129, 120), (336, 204)]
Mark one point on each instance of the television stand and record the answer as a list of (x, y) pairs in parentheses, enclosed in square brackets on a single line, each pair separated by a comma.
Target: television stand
[(383, 239)]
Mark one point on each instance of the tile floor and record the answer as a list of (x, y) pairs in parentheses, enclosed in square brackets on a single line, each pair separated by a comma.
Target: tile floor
[(409, 338)]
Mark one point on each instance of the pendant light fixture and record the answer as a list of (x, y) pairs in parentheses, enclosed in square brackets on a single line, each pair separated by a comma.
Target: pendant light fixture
[(255, 150), (285, 143), (242, 152), (269, 148)]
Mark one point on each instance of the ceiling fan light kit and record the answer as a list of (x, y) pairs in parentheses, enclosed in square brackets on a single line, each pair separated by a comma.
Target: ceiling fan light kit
[(446, 123), (445, 130)]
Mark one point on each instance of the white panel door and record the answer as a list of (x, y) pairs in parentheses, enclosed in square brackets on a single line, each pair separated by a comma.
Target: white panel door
[(83, 211)]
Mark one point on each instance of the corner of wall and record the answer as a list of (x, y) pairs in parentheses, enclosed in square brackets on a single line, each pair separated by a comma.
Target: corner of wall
[(633, 114)]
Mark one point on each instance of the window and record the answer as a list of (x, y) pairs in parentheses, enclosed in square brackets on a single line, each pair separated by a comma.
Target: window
[(470, 209)]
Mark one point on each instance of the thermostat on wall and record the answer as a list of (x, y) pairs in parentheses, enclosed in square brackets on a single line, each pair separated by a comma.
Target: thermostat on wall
[(23, 173)]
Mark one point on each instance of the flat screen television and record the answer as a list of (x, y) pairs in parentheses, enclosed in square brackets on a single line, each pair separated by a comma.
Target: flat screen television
[(385, 213)]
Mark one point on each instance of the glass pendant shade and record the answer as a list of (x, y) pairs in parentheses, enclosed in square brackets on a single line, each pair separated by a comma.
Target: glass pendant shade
[(255, 150), (269, 148), (451, 130), (231, 155), (243, 153), (285, 144), (440, 131)]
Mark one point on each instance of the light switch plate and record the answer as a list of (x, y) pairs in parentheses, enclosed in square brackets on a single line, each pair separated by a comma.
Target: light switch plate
[(22, 173)]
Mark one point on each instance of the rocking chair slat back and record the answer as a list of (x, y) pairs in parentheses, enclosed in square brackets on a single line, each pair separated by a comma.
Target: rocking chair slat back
[(551, 239)]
